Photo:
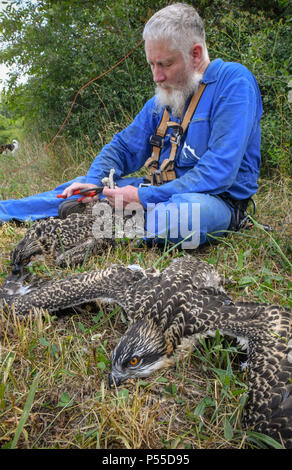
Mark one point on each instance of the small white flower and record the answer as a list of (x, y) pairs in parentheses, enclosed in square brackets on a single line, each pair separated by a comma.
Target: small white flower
[(97, 336)]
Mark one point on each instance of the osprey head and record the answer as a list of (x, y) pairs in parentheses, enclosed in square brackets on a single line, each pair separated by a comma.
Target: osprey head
[(141, 351), (25, 251)]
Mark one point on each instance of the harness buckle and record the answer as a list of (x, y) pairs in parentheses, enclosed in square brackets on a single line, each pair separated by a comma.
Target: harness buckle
[(177, 133), (157, 178), (157, 141)]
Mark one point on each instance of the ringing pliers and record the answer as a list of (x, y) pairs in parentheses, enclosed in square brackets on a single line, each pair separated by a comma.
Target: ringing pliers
[(90, 192)]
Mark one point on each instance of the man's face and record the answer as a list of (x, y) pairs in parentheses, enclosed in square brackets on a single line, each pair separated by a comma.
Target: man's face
[(176, 80), (168, 66)]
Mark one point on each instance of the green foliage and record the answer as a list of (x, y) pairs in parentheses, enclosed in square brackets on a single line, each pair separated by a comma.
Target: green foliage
[(10, 128), (260, 40), (61, 46)]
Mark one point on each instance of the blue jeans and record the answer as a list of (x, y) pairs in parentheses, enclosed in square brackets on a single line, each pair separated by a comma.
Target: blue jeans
[(39, 206), (191, 218)]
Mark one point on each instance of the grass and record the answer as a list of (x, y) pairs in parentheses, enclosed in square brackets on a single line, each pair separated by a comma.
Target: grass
[(53, 390)]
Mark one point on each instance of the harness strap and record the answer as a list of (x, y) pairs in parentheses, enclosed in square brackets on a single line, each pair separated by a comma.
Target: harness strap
[(166, 172), (157, 141), (179, 130)]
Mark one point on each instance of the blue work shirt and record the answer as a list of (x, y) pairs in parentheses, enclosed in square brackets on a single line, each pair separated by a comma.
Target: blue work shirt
[(220, 151)]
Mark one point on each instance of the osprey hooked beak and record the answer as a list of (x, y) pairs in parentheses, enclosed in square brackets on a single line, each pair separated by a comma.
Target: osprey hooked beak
[(25, 252), (113, 381), (17, 268)]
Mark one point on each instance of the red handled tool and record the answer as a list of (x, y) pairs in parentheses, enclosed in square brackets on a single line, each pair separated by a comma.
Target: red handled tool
[(87, 192)]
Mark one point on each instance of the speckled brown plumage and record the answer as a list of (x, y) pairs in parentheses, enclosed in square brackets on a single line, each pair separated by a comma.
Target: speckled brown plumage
[(66, 242), (168, 311)]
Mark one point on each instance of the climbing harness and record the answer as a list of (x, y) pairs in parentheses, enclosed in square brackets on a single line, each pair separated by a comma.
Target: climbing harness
[(166, 172), (240, 218)]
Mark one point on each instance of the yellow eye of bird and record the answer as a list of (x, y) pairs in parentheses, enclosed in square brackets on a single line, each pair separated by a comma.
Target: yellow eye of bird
[(134, 361)]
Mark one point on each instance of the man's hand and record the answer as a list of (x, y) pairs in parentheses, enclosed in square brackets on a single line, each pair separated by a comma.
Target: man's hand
[(121, 196), (68, 192)]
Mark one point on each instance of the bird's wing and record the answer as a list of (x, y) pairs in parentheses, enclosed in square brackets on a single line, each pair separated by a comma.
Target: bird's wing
[(202, 274), (162, 295), (266, 331), (135, 289), (167, 296), (112, 284)]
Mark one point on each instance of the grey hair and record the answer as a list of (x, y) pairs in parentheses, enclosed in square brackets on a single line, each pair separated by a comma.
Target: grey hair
[(181, 24)]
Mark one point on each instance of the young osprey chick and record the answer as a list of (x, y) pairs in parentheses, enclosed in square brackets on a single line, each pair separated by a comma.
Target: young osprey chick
[(67, 241), (168, 311)]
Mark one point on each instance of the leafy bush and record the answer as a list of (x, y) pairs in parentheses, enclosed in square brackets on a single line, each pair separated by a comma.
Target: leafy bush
[(261, 43)]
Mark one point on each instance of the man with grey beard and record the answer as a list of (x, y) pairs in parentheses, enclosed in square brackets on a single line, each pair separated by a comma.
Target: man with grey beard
[(199, 137)]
